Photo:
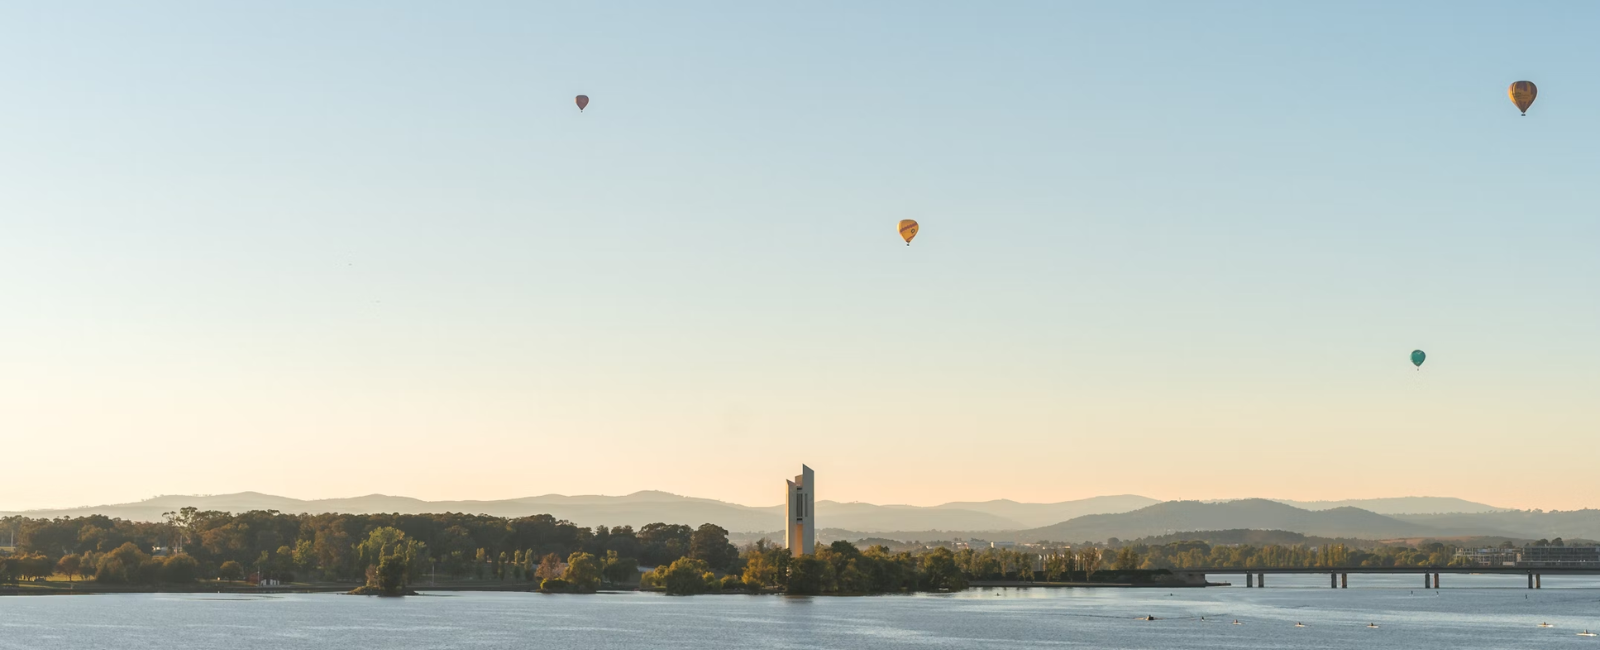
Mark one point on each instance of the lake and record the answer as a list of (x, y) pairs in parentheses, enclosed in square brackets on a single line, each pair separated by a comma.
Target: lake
[(1470, 612)]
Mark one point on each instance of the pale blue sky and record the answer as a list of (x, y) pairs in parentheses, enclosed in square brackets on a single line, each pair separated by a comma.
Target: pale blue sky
[(1177, 249)]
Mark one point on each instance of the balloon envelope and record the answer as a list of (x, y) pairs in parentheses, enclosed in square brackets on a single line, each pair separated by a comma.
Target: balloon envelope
[(1417, 357), (583, 102), (908, 229), (1522, 94)]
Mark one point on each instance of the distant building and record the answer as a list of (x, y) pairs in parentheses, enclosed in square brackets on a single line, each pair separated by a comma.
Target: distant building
[(1553, 557), (1002, 544), (1542, 557), (800, 521)]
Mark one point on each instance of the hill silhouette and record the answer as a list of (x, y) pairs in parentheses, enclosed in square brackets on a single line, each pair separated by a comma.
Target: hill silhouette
[(1122, 516), (1254, 514)]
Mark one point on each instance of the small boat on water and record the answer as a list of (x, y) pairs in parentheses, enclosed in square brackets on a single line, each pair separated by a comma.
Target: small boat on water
[(1545, 625), (1236, 622), (1372, 625), (1299, 624), (1148, 617), (1587, 633)]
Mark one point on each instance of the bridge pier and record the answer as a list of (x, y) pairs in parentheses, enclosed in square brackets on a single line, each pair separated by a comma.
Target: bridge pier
[(1344, 581), (1425, 580), (1333, 580), (1435, 581), (1538, 581), (1530, 581), (1250, 580), (1261, 580)]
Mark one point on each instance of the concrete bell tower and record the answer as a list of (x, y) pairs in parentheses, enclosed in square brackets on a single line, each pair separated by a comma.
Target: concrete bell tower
[(800, 519)]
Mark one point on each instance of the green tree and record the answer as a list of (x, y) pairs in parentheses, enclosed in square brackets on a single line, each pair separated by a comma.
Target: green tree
[(390, 576), (1089, 559), (68, 565), (231, 570), (939, 571), (686, 576), (583, 572), (709, 543), (1126, 559), (808, 575), (180, 569), (619, 570), (760, 572)]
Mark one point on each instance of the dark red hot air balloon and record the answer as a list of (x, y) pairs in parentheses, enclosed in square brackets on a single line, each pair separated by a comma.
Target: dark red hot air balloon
[(583, 102)]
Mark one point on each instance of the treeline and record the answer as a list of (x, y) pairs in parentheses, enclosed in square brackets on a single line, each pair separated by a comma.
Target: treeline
[(388, 553), (400, 549), (839, 568)]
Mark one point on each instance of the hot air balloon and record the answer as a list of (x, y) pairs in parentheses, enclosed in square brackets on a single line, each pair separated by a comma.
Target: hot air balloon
[(583, 102), (1522, 94), (908, 229), (1417, 357)]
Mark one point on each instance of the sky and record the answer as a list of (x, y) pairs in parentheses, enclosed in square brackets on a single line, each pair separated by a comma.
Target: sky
[(1176, 249)]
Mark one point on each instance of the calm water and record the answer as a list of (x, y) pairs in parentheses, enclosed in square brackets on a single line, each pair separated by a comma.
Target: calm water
[(1470, 612)]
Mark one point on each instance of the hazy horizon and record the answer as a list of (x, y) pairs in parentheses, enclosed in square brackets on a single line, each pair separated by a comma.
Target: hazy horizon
[(1175, 250), (774, 503)]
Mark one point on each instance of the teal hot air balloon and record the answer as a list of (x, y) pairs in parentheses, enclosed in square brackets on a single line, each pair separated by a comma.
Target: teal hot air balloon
[(1417, 357)]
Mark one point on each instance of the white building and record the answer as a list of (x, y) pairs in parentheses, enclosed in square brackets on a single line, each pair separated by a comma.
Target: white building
[(800, 520)]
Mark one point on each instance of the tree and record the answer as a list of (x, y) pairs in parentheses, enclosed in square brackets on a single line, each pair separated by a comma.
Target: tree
[(122, 565), (759, 571), (390, 576), (939, 571), (809, 575), (180, 569), (686, 576), (1089, 559), (660, 544), (1056, 566), (68, 565), (619, 570), (549, 567), (709, 543), (305, 555), (583, 572), (231, 570), (1126, 560)]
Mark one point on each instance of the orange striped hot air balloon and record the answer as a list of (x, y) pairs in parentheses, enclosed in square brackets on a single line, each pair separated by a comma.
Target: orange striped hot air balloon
[(908, 229), (583, 102), (1522, 94)]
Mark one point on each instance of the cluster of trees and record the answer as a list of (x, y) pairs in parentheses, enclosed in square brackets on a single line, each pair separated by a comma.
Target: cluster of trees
[(125, 564), (839, 568), (386, 551)]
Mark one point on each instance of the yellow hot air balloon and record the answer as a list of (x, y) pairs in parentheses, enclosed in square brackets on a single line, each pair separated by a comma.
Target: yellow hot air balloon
[(1522, 94), (908, 229)]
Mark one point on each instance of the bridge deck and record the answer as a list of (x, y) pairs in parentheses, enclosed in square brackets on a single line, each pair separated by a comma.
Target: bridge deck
[(1521, 570)]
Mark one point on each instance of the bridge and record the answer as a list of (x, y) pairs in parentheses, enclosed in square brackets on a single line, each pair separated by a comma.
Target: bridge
[(1339, 577)]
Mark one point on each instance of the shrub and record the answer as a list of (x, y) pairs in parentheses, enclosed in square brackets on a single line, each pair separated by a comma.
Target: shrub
[(231, 570), (686, 576), (555, 586)]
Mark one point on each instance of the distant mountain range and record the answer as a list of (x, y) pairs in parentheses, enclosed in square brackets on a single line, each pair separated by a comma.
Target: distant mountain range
[(640, 508), (1123, 516), (1254, 514)]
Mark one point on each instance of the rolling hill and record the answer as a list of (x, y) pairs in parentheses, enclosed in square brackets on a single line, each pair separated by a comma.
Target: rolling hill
[(640, 508), (1254, 514)]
